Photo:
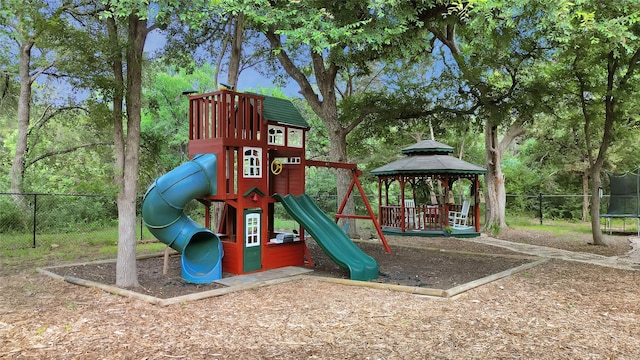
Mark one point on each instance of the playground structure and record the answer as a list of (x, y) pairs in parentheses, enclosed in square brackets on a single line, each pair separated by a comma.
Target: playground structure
[(420, 209), (624, 200), (248, 153)]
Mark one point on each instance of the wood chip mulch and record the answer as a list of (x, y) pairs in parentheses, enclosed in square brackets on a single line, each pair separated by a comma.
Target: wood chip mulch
[(558, 310)]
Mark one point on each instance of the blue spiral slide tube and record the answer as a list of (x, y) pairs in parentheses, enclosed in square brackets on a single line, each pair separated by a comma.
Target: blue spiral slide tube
[(163, 214)]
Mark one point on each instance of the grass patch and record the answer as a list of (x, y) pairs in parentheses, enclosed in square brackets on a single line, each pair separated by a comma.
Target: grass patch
[(561, 227), (556, 227), (141, 249), (17, 251), (101, 237), (150, 248)]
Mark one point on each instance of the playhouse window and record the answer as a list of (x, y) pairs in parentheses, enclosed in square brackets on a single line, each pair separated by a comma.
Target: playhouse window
[(294, 138), (276, 135), (252, 162), (253, 230)]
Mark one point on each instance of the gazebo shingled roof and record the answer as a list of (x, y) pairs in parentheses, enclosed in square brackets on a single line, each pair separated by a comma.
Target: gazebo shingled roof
[(428, 157), (431, 147)]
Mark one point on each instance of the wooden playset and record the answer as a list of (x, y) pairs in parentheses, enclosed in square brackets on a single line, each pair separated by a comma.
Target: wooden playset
[(248, 153)]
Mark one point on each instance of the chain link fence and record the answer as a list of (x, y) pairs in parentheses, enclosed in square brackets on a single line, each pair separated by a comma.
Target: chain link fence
[(537, 206), (548, 206), (541, 206), (33, 220)]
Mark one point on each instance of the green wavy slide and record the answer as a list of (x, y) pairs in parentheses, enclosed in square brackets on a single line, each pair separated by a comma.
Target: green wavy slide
[(333, 241)]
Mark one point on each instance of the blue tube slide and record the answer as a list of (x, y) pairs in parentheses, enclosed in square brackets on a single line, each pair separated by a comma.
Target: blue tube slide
[(163, 214)]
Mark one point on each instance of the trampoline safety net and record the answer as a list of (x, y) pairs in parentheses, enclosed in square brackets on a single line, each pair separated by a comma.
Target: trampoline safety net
[(625, 191), (623, 199)]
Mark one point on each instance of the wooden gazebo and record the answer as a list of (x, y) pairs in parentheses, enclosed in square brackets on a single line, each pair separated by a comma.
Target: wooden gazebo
[(419, 192)]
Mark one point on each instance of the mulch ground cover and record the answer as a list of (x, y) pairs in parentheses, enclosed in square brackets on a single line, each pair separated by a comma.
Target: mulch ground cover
[(418, 262), (557, 310)]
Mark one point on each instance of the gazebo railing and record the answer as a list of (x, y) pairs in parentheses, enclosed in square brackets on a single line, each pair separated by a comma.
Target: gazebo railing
[(420, 217)]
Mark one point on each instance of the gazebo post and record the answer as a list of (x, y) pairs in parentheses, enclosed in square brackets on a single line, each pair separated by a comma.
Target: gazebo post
[(379, 201), (446, 202), (476, 203), (403, 219)]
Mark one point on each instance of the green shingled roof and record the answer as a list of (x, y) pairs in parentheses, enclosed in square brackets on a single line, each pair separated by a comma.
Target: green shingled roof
[(428, 157), (283, 111), (429, 164), (428, 147)]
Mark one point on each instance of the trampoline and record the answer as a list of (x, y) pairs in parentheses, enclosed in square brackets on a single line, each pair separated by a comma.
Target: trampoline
[(623, 200)]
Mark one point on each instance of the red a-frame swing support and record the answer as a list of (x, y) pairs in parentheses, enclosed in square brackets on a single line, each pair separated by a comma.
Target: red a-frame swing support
[(354, 181)]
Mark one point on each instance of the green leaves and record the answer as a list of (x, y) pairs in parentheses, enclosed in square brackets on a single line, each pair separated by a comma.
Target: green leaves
[(161, 12), (165, 125)]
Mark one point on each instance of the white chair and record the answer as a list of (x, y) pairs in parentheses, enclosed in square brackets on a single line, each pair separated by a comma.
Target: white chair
[(458, 219), (409, 212), (409, 203), (414, 218)]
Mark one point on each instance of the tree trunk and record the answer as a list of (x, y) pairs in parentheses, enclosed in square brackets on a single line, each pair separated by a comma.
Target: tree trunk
[(494, 179), (126, 275), (585, 195), (496, 193), (596, 166), (24, 114), (338, 153), (596, 182), (236, 51), (598, 239), (434, 198), (118, 102), (326, 107), (236, 34)]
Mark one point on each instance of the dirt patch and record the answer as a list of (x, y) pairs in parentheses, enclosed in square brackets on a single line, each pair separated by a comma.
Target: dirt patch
[(415, 261), (150, 276), (440, 267)]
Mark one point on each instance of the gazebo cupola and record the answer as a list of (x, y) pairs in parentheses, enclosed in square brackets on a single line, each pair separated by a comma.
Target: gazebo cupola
[(416, 192), (427, 147)]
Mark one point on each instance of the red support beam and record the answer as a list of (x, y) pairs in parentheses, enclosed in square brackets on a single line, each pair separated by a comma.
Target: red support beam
[(331, 164), (355, 181)]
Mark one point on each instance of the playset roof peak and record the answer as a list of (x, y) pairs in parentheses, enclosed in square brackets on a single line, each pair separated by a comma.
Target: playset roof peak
[(282, 111)]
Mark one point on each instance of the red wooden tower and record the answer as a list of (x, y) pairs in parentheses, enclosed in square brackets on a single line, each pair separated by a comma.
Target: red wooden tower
[(259, 142)]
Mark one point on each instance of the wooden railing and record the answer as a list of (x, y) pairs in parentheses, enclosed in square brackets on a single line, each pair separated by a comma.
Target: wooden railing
[(420, 217), (226, 115)]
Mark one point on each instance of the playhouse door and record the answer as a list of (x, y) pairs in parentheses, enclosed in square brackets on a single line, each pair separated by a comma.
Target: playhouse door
[(252, 249)]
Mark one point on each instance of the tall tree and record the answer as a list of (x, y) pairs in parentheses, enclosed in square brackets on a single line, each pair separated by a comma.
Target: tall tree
[(606, 76), (489, 56), (26, 25), (125, 26), (140, 19), (497, 55), (315, 41), (127, 91)]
